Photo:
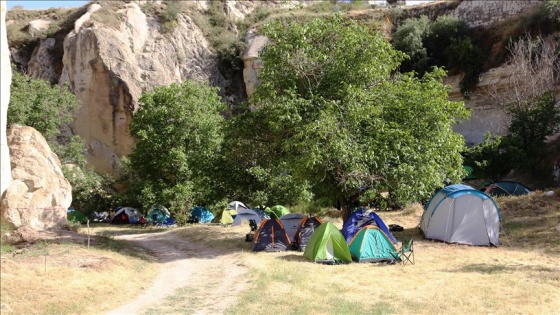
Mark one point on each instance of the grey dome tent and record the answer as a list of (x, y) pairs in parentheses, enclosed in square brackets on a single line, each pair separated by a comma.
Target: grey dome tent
[(461, 214), (236, 205), (249, 214), (305, 230), (125, 215), (291, 223)]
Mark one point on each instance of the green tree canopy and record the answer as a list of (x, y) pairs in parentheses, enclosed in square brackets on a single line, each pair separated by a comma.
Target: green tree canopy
[(178, 129), (331, 108)]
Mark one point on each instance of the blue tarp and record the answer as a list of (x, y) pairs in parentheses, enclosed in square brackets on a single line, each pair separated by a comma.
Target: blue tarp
[(201, 215), (358, 219)]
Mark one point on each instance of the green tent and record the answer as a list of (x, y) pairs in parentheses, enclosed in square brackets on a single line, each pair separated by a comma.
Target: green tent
[(327, 245), (76, 216), (277, 211), (371, 244), (225, 217)]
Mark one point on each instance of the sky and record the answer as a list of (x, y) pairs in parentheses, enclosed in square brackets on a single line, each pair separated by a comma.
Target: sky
[(44, 4)]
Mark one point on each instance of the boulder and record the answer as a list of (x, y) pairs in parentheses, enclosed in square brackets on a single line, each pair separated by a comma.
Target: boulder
[(39, 194), (40, 65)]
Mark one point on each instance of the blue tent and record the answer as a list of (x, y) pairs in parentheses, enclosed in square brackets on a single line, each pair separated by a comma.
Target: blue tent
[(201, 215), (359, 219)]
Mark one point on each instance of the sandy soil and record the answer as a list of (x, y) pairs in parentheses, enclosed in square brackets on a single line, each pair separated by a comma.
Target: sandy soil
[(206, 272)]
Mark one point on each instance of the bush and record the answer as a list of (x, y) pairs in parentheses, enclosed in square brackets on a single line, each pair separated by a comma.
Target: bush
[(444, 42)]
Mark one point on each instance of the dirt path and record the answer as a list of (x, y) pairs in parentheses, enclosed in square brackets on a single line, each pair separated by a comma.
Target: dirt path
[(193, 278)]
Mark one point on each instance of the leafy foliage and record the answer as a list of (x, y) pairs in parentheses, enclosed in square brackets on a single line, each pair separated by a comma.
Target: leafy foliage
[(49, 110), (179, 133), (335, 115), (443, 42)]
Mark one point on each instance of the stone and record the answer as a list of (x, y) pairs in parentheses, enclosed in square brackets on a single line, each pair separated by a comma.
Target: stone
[(40, 65), (39, 194)]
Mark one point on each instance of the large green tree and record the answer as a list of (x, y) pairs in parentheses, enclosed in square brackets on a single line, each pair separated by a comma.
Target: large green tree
[(178, 129), (333, 110)]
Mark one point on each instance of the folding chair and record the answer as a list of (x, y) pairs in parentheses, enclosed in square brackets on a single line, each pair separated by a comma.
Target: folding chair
[(405, 253)]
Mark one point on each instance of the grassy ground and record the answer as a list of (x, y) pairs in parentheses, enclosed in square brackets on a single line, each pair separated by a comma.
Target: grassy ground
[(521, 276), (65, 277)]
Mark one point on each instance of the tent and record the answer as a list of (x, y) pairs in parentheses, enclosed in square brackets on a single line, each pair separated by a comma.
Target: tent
[(360, 218), (306, 228), (236, 205), (158, 214), (327, 245), (125, 215), (201, 215), (225, 217), (277, 211), (76, 216), (249, 214), (461, 214), (291, 222), (371, 244), (271, 237), (506, 188)]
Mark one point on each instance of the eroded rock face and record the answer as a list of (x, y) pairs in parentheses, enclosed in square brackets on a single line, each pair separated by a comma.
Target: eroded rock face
[(40, 65), (39, 194), (108, 68), (5, 81)]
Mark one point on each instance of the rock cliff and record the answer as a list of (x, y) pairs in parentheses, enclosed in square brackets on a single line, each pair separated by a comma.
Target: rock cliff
[(5, 81), (110, 63), (39, 194)]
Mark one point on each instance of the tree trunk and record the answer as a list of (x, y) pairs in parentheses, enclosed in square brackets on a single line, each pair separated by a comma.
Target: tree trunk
[(344, 207)]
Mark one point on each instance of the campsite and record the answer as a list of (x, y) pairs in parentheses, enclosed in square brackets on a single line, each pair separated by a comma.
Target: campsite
[(162, 268)]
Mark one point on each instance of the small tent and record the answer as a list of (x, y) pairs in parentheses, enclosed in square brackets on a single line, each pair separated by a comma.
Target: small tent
[(249, 214), (291, 222), (201, 215), (461, 214), (225, 217), (506, 188), (371, 244), (277, 211), (236, 205), (327, 245), (158, 214), (271, 237), (76, 216), (126, 215), (360, 218), (306, 228)]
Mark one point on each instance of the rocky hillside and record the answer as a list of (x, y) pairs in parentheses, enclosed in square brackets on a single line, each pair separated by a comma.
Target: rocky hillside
[(111, 52)]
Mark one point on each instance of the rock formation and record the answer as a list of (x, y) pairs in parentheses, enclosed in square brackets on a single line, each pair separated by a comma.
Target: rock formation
[(39, 194), (108, 69), (5, 81)]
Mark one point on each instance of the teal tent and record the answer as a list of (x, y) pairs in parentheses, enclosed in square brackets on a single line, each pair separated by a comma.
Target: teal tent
[(201, 215), (371, 244), (327, 245), (158, 214)]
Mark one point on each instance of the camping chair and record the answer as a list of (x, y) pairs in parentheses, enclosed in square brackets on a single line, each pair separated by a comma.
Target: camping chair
[(405, 253)]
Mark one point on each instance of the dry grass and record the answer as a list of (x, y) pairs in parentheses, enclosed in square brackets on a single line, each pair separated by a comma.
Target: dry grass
[(521, 276), (67, 278)]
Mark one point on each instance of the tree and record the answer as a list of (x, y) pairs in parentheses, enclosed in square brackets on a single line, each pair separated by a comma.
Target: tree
[(178, 129), (336, 114), (49, 110)]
